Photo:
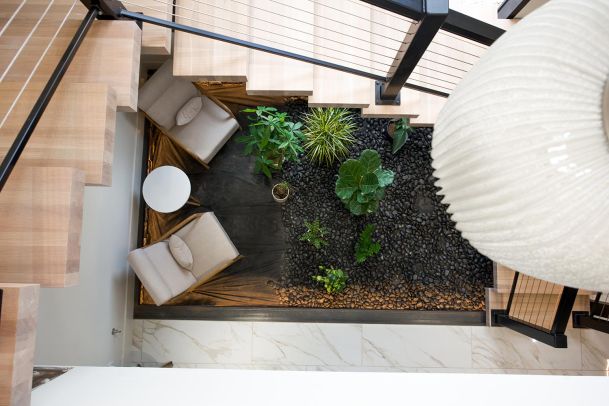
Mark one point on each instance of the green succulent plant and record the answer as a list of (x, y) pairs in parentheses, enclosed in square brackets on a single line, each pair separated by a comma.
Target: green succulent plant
[(334, 280), (328, 134), (366, 246), (361, 182), (401, 133), (272, 138), (315, 234)]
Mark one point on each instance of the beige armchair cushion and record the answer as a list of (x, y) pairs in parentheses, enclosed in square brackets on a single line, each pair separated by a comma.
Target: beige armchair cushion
[(164, 110), (180, 252), (212, 250), (189, 111), (163, 95), (205, 135), (164, 278)]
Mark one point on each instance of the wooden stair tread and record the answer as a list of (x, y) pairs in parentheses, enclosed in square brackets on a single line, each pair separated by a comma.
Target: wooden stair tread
[(36, 20), (272, 75), (386, 111), (200, 58), (17, 69), (155, 40), (76, 130), (110, 54), (40, 226), (332, 88), (17, 341)]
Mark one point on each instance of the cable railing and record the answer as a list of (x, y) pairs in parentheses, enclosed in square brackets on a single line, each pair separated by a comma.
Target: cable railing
[(538, 309), (398, 44)]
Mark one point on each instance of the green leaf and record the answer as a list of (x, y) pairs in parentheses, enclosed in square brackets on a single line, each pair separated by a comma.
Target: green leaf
[(379, 194), (356, 208), (345, 187), (353, 168), (399, 139), (361, 182), (362, 198), (369, 183), (370, 160), (266, 171), (371, 207), (385, 177)]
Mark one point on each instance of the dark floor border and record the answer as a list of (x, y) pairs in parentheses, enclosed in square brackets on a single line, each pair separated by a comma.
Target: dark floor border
[(309, 315)]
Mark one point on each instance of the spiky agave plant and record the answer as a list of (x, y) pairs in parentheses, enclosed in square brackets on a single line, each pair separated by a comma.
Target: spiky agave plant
[(329, 134)]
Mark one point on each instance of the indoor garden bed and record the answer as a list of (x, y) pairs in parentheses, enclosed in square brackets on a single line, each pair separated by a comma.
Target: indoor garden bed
[(418, 261)]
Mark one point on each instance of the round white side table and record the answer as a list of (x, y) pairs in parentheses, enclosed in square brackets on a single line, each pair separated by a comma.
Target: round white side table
[(166, 189)]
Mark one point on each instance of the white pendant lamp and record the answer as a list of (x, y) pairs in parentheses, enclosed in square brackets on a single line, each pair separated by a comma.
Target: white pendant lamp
[(521, 149)]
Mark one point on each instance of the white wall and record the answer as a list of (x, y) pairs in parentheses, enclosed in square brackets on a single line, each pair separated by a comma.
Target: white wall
[(74, 325), (163, 387)]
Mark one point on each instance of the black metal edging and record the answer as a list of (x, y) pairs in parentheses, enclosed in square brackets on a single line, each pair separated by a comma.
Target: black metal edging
[(311, 315), (22, 138), (247, 44), (1, 293), (411, 50), (556, 340)]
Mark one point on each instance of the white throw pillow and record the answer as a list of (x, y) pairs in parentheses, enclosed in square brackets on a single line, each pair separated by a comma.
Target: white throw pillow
[(189, 110), (180, 251)]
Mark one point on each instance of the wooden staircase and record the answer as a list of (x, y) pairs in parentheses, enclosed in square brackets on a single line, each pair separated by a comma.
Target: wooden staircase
[(360, 34), (41, 205)]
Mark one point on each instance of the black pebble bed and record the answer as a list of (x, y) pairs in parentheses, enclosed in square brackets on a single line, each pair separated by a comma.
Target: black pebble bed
[(424, 264)]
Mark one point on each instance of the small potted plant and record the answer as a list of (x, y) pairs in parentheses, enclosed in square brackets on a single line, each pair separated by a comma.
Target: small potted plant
[(399, 130), (281, 192)]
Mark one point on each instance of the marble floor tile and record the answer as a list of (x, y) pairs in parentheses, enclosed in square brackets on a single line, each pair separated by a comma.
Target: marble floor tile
[(135, 350), (416, 346), (572, 372), (306, 344), (498, 347), (595, 350), (196, 342)]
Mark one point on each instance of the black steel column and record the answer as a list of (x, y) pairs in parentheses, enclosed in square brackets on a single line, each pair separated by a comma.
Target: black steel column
[(411, 50), (13, 154), (563, 311)]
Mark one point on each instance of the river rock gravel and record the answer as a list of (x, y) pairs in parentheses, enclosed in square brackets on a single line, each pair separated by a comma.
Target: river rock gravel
[(424, 263)]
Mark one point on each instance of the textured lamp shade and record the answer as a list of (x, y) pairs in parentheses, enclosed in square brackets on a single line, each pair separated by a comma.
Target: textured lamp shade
[(521, 149)]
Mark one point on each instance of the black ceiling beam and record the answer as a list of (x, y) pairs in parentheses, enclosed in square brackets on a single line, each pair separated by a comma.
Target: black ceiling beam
[(471, 28)]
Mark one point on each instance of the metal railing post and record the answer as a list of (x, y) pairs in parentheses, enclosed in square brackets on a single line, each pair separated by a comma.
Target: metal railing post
[(412, 48), (563, 311)]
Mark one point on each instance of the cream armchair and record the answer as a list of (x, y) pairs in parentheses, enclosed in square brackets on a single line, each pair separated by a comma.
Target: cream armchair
[(211, 248), (163, 96)]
